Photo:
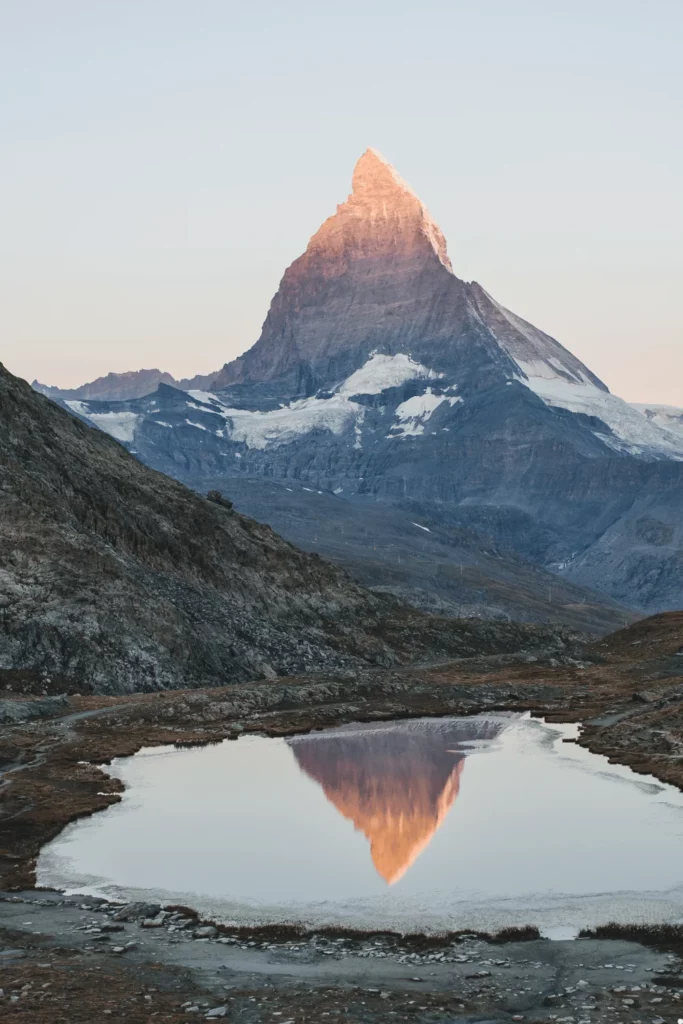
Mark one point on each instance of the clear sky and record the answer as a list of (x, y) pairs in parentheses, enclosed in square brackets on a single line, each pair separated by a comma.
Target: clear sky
[(162, 161)]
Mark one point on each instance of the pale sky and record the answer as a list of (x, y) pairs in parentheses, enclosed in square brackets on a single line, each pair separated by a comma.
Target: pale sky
[(162, 161)]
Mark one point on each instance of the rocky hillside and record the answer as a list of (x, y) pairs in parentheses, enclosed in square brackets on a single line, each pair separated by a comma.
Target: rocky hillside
[(114, 578)]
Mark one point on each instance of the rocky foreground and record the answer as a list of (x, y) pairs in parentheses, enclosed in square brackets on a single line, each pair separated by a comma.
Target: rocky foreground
[(74, 959), (87, 960)]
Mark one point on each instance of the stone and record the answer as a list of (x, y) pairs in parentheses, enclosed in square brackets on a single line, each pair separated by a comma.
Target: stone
[(154, 922), (133, 911), (646, 697), (205, 932)]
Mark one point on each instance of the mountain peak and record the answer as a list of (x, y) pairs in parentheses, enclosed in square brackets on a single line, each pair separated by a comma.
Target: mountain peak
[(378, 188), (373, 172)]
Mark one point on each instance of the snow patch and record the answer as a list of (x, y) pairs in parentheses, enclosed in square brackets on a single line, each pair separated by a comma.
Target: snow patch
[(425, 528), (200, 408), (381, 372), (413, 414), (288, 423), (199, 426), (163, 423), (119, 425)]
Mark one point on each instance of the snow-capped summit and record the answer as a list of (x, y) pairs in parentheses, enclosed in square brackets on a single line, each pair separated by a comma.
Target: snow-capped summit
[(376, 282), (380, 375)]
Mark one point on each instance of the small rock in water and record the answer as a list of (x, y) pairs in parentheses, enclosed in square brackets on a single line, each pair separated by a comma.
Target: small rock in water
[(218, 1011), (205, 932)]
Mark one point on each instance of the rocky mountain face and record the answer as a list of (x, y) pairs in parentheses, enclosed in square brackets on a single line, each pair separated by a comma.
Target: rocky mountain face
[(380, 376), (115, 578)]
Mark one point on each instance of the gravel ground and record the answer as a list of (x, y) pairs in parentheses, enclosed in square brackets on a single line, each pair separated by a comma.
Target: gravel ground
[(83, 959)]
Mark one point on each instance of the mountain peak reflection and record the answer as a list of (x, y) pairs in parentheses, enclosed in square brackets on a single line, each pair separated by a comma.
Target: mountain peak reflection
[(396, 781)]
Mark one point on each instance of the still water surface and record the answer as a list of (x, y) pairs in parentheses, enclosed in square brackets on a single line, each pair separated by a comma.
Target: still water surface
[(422, 825)]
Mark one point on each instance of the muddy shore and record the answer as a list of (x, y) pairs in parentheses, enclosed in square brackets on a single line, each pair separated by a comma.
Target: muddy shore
[(626, 691)]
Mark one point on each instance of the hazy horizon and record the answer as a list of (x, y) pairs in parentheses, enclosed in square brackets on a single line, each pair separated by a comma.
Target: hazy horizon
[(163, 165)]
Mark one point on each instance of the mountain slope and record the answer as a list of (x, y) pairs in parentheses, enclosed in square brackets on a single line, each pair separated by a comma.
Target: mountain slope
[(117, 578), (437, 567)]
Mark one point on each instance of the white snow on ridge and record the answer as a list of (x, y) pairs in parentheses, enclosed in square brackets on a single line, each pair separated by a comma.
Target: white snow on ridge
[(381, 372), (205, 397), (524, 342), (120, 425), (632, 431), (562, 381), (336, 413)]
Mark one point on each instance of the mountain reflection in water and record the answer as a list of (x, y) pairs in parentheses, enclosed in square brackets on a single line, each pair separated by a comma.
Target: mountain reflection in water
[(395, 781)]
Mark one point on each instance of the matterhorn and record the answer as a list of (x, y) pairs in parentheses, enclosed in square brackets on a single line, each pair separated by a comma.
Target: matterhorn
[(382, 379)]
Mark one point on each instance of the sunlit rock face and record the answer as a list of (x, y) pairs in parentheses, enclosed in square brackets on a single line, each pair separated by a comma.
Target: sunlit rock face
[(375, 276), (396, 783)]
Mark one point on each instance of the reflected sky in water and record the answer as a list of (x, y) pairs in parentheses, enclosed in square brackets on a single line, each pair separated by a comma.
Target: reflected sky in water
[(478, 822)]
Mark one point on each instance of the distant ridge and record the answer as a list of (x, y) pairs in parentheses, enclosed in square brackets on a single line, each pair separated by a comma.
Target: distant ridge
[(117, 387)]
